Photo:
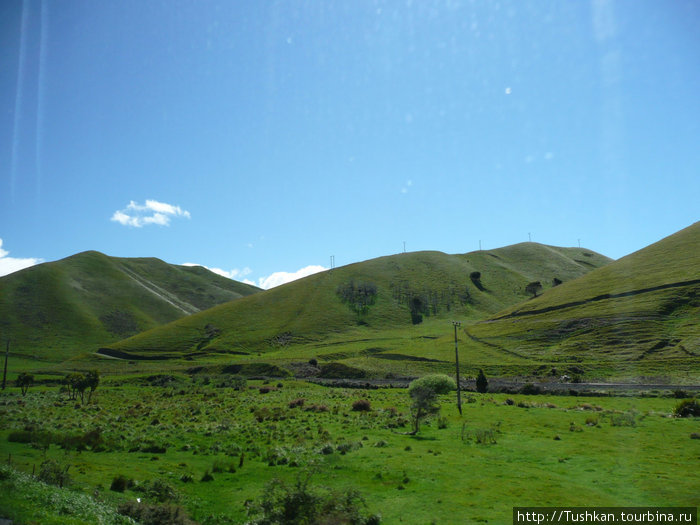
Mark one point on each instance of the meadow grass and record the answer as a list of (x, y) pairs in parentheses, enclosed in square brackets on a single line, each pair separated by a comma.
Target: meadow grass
[(504, 451)]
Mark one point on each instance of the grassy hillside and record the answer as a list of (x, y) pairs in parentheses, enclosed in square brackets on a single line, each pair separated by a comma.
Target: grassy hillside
[(379, 302), (640, 313), (55, 310)]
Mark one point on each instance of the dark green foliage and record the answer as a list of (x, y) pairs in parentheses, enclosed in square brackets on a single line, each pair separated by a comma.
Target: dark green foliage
[(281, 504), (358, 296), (120, 483), (92, 379), (533, 288), (482, 384), (24, 381), (149, 514), (556, 282), (476, 280), (687, 408), (161, 491), (207, 476), (361, 405), (54, 473)]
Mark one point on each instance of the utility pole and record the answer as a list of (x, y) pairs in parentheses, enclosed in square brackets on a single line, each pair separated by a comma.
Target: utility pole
[(404, 246), (4, 373), (479, 245), (529, 237), (459, 393)]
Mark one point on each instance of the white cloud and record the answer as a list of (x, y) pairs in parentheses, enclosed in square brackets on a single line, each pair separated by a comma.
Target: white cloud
[(272, 280), (10, 265), (231, 274), (280, 278), (153, 212)]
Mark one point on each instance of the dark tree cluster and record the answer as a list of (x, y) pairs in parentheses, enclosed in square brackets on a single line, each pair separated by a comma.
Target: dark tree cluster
[(78, 383), (358, 296), (428, 301)]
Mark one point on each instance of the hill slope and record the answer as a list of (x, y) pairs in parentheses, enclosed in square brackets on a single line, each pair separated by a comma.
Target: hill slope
[(640, 312), (55, 310), (364, 301)]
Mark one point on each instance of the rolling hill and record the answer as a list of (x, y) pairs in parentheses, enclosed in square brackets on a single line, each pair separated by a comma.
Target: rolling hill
[(381, 304), (640, 314), (56, 310)]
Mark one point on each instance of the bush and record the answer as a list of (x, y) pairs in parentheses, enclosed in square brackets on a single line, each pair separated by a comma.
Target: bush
[(482, 384), (53, 473), (120, 483), (298, 402), (154, 514), (300, 503), (161, 491), (626, 419), (437, 383), (687, 408), (361, 405)]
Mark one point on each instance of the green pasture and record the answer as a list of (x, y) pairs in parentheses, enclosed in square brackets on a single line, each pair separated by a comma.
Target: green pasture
[(504, 451)]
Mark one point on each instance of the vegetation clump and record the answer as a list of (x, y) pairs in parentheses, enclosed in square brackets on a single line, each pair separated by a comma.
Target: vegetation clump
[(361, 405), (282, 504), (687, 408), (424, 392), (24, 381), (482, 384), (358, 296)]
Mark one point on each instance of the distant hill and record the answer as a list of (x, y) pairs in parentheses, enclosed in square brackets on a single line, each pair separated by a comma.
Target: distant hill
[(364, 302), (59, 309), (640, 313)]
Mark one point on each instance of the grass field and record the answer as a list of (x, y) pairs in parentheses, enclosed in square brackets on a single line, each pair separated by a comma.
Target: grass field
[(504, 451)]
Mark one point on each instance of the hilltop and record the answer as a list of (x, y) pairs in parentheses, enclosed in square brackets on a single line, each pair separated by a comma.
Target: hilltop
[(56, 310)]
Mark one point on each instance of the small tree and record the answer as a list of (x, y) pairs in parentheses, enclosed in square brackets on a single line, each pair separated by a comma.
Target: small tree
[(24, 381), (533, 288), (92, 379), (482, 384), (424, 392)]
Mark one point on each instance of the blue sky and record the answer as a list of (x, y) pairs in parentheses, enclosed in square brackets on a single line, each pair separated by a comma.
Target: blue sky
[(260, 137)]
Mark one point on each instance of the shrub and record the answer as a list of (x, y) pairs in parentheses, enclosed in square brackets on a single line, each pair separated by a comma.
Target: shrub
[(300, 503), (298, 402), (626, 419), (482, 384), (207, 476), (161, 491), (361, 405), (687, 408), (120, 483), (53, 473), (148, 514)]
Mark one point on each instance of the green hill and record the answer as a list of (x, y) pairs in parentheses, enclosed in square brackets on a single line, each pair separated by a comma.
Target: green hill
[(381, 305), (638, 315), (56, 310)]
